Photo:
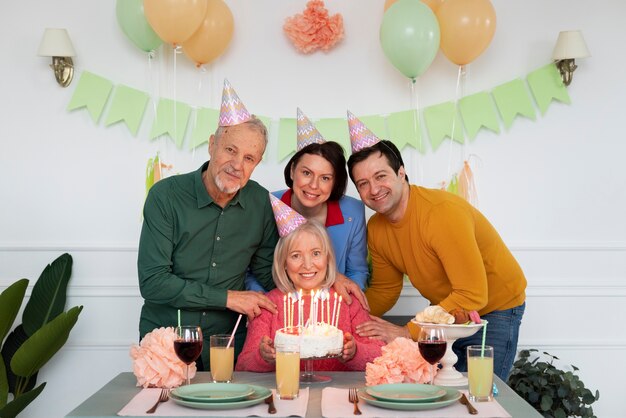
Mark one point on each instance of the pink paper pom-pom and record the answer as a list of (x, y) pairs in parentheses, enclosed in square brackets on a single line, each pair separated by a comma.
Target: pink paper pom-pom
[(314, 29), (155, 363), (400, 362)]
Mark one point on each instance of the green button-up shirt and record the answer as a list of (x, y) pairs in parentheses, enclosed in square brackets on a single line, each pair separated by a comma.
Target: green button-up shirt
[(192, 251)]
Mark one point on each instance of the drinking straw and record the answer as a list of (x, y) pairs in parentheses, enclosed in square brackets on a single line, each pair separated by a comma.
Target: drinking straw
[(179, 318), (482, 348), (230, 340)]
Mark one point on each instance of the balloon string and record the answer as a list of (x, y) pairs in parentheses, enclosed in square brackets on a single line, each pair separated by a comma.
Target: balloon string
[(152, 85), (419, 170), (465, 146), (175, 101), (456, 101)]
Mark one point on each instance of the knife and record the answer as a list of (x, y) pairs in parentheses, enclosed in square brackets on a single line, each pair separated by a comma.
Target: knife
[(466, 402), (271, 409)]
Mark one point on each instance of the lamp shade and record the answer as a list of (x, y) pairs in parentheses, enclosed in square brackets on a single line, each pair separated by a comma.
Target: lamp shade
[(570, 44), (56, 43)]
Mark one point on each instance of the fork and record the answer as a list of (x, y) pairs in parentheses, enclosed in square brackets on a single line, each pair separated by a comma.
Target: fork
[(354, 398), (163, 397)]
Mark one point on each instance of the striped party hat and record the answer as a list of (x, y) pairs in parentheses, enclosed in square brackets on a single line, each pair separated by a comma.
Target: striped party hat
[(360, 136), (307, 132), (287, 219), (232, 112)]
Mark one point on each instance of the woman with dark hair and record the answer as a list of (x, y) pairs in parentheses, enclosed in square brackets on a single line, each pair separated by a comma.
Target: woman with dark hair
[(317, 179)]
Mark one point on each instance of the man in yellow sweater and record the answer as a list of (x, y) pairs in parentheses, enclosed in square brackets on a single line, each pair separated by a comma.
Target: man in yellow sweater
[(451, 253)]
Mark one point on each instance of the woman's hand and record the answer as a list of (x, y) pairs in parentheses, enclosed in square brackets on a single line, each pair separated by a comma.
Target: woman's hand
[(268, 353), (349, 347)]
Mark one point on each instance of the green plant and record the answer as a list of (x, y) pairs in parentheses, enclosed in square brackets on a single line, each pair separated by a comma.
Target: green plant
[(45, 328), (553, 392)]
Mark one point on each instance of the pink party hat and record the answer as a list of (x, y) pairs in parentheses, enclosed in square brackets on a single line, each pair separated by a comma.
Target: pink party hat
[(232, 112), (307, 132), (287, 219), (360, 136)]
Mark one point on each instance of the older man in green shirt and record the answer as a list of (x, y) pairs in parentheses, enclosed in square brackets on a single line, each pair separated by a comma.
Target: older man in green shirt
[(201, 232)]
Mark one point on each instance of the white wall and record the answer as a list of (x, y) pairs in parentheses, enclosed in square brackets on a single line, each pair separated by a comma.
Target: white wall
[(554, 187)]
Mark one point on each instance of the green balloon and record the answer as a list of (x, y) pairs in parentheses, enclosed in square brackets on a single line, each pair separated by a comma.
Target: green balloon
[(133, 22), (409, 36)]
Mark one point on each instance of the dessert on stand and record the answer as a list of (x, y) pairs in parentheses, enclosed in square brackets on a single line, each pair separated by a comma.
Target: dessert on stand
[(437, 317)]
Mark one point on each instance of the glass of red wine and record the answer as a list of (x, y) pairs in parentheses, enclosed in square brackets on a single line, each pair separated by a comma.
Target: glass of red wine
[(432, 345), (188, 344)]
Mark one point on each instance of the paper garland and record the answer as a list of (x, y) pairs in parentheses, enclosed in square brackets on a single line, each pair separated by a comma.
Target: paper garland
[(467, 117)]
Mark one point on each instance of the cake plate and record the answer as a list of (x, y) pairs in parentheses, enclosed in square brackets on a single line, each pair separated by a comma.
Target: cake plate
[(308, 377), (448, 375)]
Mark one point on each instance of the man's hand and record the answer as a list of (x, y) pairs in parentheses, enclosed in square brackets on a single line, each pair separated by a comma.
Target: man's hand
[(345, 287), (382, 330), (268, 353), (349, 348), (249, 303)]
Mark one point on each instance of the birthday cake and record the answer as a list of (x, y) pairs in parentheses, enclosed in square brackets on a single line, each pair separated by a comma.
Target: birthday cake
[(318, 340)]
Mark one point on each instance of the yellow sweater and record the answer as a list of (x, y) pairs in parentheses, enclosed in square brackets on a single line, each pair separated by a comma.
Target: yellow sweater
[(451, 253)]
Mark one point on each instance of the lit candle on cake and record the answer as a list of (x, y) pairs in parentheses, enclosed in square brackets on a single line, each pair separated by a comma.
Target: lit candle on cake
[(332, 320), (338, 310), (300, 308), (328, 307), (311, 308), (284, 311)]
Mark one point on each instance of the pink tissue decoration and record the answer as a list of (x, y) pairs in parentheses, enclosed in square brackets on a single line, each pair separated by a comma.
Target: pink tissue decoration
[(314, 29), (155, 363), (400, 362)]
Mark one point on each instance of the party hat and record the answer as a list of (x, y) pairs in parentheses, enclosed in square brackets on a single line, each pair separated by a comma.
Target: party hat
[(307, 132), (287, 219), (360, 136), (232, 112)]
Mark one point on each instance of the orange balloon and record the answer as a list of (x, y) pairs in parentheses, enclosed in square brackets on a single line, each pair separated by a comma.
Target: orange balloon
[(174, 20), (433, 4), (466, 28), (213, 35)]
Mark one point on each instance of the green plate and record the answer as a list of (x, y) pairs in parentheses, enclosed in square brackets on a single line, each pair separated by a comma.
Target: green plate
[(258, 395), (406, 392), (451, 396), (213, 392)]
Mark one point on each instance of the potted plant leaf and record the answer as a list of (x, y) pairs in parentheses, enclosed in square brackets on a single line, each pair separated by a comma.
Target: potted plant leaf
[(553, 392), (44, 329)]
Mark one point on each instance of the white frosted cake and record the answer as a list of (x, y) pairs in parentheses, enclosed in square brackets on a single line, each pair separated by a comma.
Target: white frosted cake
[(318, 340)]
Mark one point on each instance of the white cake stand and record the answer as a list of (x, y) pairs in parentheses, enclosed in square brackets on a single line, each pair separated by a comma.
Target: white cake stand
[(448, 375)]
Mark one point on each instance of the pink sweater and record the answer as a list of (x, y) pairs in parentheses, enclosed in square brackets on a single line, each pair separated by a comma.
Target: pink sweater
[(267, 324)]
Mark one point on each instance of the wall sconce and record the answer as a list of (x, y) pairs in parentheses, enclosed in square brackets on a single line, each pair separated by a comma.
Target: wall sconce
[(569, 46), (56, 43)]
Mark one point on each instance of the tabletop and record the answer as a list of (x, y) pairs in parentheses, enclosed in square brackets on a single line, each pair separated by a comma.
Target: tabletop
[(113, 396)]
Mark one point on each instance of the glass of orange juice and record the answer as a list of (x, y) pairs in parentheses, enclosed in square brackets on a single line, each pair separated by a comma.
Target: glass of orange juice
[(480, 372), (287, 371), (222, 357)]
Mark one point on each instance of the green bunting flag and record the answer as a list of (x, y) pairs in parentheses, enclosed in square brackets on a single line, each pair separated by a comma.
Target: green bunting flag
[(203, 126), (404, 128), (477, 111), (512, 99), (335, 129), (287, 128), (127, 105), (91, 92), (374, 123), (440, 121), (546, 84), (171, 119)]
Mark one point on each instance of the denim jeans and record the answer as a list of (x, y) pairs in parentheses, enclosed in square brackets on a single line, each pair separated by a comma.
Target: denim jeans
[(502, 335)]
